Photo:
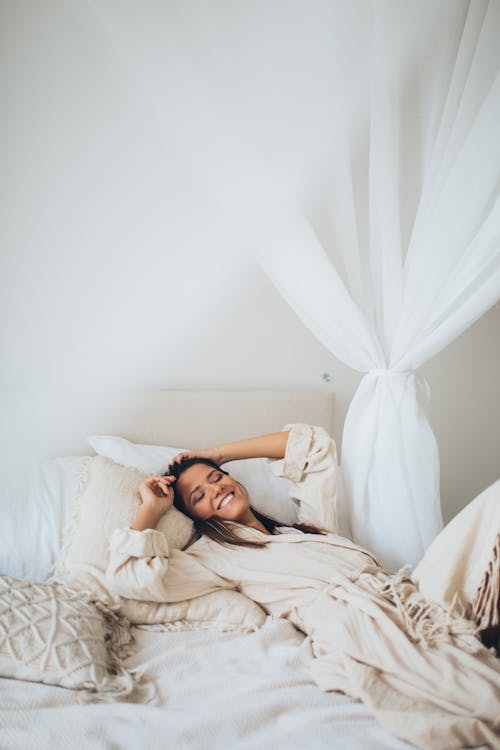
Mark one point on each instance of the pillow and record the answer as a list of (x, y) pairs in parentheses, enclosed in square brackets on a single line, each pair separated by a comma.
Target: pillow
[(34, 514), (268, 493), (50, 633), (108, 499), (225, 610), (153, 459)]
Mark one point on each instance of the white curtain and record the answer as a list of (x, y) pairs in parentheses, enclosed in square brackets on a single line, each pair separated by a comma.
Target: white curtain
[(396, 307), (251, 96)]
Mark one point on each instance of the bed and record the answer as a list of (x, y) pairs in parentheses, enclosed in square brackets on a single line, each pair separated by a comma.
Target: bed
[(212, 688)]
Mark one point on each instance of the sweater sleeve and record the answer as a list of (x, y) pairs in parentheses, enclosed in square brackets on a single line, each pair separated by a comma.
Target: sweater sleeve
[(310, 463), (142, 567)]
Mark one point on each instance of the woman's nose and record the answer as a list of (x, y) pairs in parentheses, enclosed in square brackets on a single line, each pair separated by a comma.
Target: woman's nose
[(216, 492)]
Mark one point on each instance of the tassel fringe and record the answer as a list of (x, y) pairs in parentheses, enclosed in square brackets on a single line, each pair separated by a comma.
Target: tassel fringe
[(486, 602), (425, 621), (123, 684), (58, 570)]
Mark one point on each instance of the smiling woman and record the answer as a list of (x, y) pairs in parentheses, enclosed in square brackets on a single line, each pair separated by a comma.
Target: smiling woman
[(197, 485), (362, 620), (218, 503)]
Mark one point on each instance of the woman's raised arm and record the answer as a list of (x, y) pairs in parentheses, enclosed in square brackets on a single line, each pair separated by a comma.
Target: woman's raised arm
[(271, 445)]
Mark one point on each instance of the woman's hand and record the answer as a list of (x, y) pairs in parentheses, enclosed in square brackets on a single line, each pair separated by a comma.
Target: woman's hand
[(157, 497), (157, 492), (214, 454)]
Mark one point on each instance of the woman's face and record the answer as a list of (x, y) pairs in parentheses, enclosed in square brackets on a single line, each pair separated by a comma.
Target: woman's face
[(207, 493)]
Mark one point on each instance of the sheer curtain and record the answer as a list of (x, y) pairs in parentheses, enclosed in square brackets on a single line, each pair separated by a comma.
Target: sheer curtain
[(421, 296), (227, 85)]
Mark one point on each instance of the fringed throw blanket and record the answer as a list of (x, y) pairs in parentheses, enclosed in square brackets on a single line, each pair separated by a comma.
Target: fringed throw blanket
[(424, 622), (420, 666)]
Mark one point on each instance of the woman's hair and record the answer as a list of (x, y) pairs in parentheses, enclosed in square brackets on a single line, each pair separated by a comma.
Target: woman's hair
[(215, 528)]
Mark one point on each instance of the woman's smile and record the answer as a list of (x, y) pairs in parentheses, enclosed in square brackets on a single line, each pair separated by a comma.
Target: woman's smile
[(225, 500)]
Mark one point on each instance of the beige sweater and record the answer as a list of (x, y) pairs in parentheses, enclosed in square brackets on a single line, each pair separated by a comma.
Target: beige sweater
[(282, 576), (417, 664)]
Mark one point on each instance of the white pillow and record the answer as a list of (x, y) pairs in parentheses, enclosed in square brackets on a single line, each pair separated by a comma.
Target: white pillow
[(268, 494), (34, 515), (153, 459)]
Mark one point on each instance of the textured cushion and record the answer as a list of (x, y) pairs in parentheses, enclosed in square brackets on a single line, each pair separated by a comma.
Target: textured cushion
[(108, 499), (226, 610), (268, 493), (52, 634)]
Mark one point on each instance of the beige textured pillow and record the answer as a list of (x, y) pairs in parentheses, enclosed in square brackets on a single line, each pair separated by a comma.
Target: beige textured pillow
[(225, 610), (52, 634), (107, 500)]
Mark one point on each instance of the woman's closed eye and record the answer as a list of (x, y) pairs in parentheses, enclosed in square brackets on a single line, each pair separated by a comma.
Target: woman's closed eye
[(201, 495)]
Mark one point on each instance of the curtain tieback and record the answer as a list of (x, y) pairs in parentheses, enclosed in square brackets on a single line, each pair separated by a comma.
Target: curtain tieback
[(419, 379), (389, 373)]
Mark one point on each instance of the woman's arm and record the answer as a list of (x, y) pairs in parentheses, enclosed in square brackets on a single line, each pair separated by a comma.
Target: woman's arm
[(310, 463), (141, 566), (271, 445)]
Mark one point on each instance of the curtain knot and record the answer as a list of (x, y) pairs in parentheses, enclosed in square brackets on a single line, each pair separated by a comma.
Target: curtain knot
[(389, 373)]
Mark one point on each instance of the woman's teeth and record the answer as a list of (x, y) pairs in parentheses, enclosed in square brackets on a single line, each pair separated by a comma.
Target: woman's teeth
[(226, 501)]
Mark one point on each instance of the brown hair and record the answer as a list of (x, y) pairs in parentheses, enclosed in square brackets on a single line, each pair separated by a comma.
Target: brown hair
[(215, 528)]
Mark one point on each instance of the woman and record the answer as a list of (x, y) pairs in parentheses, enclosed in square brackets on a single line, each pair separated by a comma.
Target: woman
[(419, 664)]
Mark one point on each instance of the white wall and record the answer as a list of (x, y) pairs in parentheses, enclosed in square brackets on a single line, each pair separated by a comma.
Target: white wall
[(269, 346), (117, 268)]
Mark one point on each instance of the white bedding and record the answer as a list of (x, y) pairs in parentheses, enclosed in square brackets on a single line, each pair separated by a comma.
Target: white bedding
[(214, 691)]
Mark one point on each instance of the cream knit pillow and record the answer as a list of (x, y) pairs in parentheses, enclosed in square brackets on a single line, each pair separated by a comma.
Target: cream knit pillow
[(107, 500), (52, 634)]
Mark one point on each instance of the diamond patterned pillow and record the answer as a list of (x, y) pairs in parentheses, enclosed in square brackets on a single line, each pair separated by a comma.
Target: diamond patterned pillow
[(52, 634)]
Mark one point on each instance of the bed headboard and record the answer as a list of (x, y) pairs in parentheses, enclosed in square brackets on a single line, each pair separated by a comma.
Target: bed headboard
[(181, 418), (202, 417)]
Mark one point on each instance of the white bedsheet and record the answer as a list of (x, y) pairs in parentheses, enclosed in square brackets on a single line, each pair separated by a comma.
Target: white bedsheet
[(214, 691)]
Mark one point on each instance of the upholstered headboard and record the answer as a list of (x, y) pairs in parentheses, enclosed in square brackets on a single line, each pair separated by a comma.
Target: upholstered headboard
[(197, 418)]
